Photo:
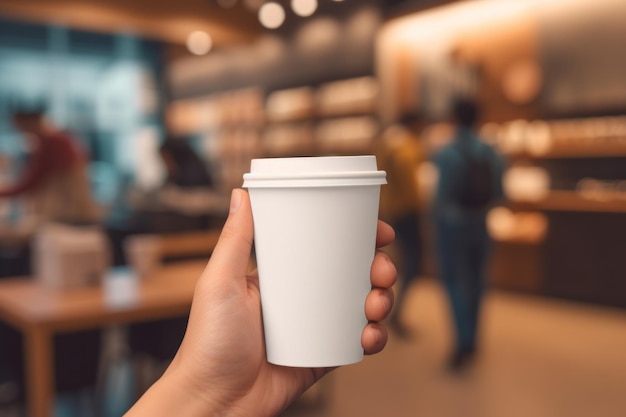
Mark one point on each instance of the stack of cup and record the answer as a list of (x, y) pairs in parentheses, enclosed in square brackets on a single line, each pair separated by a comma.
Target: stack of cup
[(315, 231)]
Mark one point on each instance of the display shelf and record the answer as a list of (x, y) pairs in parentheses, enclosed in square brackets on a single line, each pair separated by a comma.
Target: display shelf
[(334, 118), (591, 150), (517, 227), (290, 105), (346, 135), (287, 139), (346, 98), (592, 137), (518, 240), (572, 201)]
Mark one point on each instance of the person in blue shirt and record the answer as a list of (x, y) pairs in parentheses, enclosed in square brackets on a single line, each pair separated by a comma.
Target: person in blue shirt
[(470, 181)]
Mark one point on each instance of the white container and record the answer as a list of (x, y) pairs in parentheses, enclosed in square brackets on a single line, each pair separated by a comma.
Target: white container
[(143, 254), (67, 257), (315, 231), (120, 289)]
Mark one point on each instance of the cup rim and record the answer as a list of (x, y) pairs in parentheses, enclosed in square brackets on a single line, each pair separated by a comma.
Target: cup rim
[(317, 171), (318, 179)]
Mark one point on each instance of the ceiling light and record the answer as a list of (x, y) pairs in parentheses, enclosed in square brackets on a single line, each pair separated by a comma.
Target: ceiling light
[(304, 8), (271, 15), (199, 42)]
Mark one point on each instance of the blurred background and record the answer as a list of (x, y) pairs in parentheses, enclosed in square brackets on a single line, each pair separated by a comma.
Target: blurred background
[(167, 103)]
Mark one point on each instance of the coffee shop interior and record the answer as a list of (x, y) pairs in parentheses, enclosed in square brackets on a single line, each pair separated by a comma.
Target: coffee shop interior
[(171, 100)]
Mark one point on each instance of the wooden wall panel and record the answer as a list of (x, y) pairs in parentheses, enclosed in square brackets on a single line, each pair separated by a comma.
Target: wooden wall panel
[(498, 50)]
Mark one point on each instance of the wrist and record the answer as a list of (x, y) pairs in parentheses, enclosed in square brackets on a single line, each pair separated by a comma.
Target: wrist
[(174, 394)]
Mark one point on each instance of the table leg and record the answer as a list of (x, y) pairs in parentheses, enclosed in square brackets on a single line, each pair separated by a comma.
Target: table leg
[(40, 372)]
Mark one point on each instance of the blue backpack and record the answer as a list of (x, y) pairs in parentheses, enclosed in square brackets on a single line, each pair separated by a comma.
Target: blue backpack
[(476, 190)]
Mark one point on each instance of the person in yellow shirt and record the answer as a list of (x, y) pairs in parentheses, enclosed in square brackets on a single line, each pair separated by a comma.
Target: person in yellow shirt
[(399, 152)]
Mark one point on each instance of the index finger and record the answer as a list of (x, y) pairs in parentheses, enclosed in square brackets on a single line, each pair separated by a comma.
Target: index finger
[(384, 234)]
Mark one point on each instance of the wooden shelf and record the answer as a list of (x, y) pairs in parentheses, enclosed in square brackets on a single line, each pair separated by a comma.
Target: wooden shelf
[(517, 240), (601, 150), (572, 201), (340, 114), (295, 118)]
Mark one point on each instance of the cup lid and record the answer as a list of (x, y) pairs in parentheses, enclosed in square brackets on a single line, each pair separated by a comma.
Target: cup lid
[(314, 172)]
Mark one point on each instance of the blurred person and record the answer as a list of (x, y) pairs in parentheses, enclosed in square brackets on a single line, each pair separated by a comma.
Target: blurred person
[(187, 190), (220, 368), (55, 184), (470, 180), (185, 169), (189, 187), (399, 152), (55, 179)]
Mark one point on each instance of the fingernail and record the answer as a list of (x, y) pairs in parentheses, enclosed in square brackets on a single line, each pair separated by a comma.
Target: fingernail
[(235, 200)]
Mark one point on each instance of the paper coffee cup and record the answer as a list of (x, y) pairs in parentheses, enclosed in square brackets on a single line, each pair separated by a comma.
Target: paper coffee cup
[(315, 231), (143, 253)]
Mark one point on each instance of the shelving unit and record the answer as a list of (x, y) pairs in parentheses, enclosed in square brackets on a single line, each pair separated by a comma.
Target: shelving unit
[(572, 201), (593, 137), (334, 118), (581, 257), (228, 126), (576, 150)]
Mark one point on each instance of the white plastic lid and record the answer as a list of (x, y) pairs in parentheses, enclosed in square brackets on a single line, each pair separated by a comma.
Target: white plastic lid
[(326, 171)]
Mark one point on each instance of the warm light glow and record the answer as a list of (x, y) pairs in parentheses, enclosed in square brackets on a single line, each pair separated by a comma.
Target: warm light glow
[(271, 15), (506, 225), (291, 103), (317, 35), (526, 183), (435, 28), (304, 8), (199, 42)]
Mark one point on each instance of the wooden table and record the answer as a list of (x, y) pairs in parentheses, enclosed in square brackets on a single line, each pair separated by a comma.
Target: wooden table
[(40, 313)]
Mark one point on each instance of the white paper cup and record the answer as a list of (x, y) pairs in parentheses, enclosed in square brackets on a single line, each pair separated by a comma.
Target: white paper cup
[(121, 289), (143, 253), (315, 231)]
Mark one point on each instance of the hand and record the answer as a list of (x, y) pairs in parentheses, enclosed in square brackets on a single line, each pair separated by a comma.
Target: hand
[(220, 368)]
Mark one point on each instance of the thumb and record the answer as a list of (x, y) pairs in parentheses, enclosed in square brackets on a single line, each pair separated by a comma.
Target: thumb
[(232, 253)]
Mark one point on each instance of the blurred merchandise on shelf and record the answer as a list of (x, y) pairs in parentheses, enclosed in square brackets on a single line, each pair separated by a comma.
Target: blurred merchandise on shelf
[(526, 183), (561, 138), (346, 135), (293, 139), (291, 104), (506, 225), (348, 97), (602, 190)]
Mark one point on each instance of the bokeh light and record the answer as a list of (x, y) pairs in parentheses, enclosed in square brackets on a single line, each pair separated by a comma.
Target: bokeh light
[(304, 8), (271, 15), (199, 42)]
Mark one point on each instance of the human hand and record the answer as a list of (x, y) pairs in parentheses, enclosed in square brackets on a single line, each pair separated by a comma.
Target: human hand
[(220, 368)]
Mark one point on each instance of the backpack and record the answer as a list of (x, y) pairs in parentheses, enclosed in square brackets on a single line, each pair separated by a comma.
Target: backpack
[(476, 189)]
